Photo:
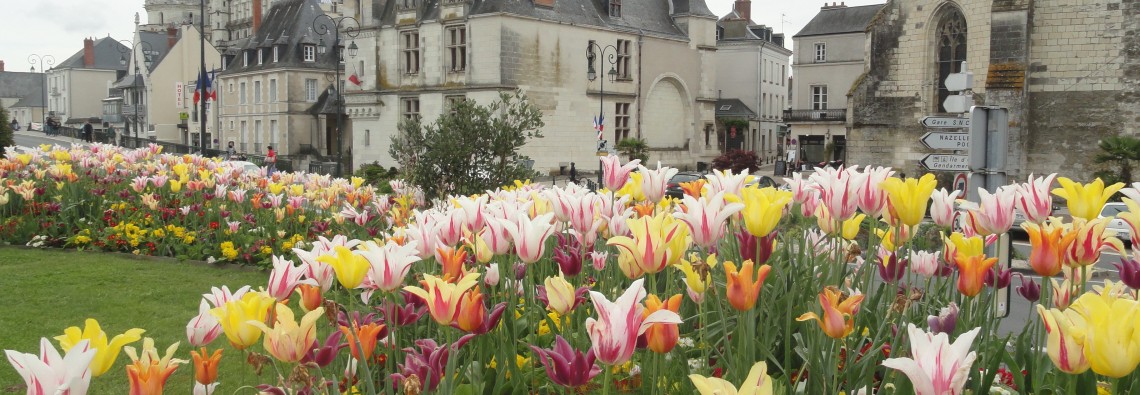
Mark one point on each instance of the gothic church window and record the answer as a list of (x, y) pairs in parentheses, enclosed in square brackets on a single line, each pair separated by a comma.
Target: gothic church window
[(951, 50)]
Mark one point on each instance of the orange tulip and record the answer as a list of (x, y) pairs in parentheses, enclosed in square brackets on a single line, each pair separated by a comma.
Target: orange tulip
[(1048, 241), (364, 337), (452, 261), (472, 312), (206, 365), (147, 372), (972, 263), (742, 291), (661, 338), (644, 209), (693, 188), (838, 312), (310, 296)]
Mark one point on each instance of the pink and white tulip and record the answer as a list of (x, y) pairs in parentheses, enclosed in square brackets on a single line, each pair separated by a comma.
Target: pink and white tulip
[(706, 217), (942, 207), (993, 214), (285, 277), (837, 190), (727, 182), (50, 374), (924, 263), (389, 264), (1034, 198), (203, 328), (936, 366), (653, 182), (530, 235), (614, 334), (872, 199), (614, 174)]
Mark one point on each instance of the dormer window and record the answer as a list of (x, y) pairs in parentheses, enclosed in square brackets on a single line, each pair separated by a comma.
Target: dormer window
[(245, 59), (260, 56), (276, 55), (615, 8), (310, 52)]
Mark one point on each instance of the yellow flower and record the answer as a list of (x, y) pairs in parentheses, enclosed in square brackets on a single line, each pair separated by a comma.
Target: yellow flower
[(287, 341), (850, 227), (763, 208), (632, 188), (235, 315), (1111, 342), (907, 200), (350, 268), (657, 241), (694, 283), (443, 297), (1065, 339), (1085, 201), (757, 383), (544, 328), (838, 319), (175, 186), (105, 352)]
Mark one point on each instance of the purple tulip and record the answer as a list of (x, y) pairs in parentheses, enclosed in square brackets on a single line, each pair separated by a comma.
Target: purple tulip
[(405, 314), (1129, 272), (945, 321), (568, 255), (747, 244), (427, 361), (566, 366), (520, 271), (1003, 277), (891, 268), (325, 354), (1029, 289)]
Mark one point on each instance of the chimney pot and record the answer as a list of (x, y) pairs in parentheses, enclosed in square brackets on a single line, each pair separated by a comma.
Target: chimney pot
[(744, 9), (1, 65), (88, 52)]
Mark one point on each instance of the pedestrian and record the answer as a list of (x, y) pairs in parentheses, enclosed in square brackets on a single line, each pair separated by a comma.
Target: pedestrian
[(15, 125), (88, 132), (573, 173), (270, 162), (231, 152)]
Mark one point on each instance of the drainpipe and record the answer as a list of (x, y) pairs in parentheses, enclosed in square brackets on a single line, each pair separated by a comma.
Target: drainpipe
[(638, 86), (760, 92)]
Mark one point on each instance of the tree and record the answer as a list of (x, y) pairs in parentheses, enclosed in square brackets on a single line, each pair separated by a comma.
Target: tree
[(634, 148), (1118, 153), (470, 149), (7, 139), (737, 160)]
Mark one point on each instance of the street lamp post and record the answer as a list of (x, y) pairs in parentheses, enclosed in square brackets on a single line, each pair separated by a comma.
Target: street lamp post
[(135, 85), (45, 62), (351, 29), (591, 74)]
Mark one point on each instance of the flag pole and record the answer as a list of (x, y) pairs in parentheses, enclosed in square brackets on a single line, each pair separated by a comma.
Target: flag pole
[(202, 75)]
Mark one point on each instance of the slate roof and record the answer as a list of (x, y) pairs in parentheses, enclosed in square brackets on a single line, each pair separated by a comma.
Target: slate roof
[(287, 24), (326, 104), (159, 47), (108, 52), (733, 108), (26, 86), (650, 16), (840, 20)]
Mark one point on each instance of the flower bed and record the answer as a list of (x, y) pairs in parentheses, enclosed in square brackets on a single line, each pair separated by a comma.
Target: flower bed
[(526, 289)]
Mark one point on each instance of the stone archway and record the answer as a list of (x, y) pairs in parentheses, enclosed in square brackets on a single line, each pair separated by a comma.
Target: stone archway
[(667, 116)]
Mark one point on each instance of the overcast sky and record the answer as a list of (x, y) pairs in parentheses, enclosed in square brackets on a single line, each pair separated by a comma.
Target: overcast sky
[(57, 27)]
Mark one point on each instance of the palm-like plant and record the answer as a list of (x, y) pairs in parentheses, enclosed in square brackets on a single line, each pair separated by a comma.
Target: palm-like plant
[(634, 148), (1119, 153)]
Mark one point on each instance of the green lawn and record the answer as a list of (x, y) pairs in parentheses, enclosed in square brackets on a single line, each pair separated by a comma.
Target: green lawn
[(49, 290)]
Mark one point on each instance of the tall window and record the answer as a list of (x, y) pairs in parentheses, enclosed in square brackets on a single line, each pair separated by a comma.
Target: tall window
[(241, 86), (310, 90), (257, 136), (621, 122), (257, 91), (410, 46), (819, 97), (615, 8), (244, 135), (457, 47), (276, 54), (310, 52), (367, 137), (623, 59), (410, 107), (820, 52), (272, 90), (260, 56), (273, 133), (951, 50)]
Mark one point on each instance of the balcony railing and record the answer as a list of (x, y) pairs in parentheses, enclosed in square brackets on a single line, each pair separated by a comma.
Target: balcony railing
[(132, 109), (833, 115)]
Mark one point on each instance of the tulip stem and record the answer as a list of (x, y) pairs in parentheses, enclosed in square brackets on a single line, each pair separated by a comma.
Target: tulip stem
[(606, 378)]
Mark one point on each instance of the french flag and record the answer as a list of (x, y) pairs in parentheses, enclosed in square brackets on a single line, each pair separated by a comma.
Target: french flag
[(599, 125), (204, 85)]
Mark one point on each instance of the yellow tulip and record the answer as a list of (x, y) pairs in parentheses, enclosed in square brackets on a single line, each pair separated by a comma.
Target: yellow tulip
[(1085, 201), (838, 319), (657, 241), (235, 315), (1111, 342), (907, 200), (287, 341), (632, 188), (105, 352), (442, 297), (697, 281), (763, 208), (1066, 339), (850, 227), (175, 186), (757, 383), (350, 268), (1089, 240)]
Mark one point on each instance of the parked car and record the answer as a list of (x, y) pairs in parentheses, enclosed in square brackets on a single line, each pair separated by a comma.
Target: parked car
[(1110, 210), (763, 182), (246, 167), (673, 188)]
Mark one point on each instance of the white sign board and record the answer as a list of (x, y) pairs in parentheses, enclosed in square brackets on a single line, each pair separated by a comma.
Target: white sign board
[(943, 140), (936, 122), (941, 162), (178, 94)]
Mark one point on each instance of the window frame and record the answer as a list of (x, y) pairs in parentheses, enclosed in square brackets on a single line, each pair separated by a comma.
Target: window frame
[(410, 108), (820, 53), (456, 51), (241, 93), (615, 8), (272, 90), (451, 100), (257, 92), (309, 52), (819, 97), (623, 59), (621, 121), (410, 54), (276, 53), (310, 90)]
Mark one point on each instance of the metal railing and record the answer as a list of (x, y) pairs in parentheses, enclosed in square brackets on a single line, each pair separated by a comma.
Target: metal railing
[(838, 114)]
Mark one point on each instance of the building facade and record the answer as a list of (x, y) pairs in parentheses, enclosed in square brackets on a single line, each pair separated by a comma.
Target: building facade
[(752, 66), (22, 93), (1068, 71), (275, 88), (78, 85), (417, 56), (830, 54)]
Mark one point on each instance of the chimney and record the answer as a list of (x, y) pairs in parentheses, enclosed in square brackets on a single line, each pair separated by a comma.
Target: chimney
[(171, 36), (744, 9), (256, 16), (88, 53), (1, 66), (834, 5)]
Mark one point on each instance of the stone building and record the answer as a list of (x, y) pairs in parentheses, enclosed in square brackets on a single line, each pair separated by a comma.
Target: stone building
[(22, 94), (417, 56), (752, 66), (77, 86), (1067, 70), (830, 56), (275, 86)]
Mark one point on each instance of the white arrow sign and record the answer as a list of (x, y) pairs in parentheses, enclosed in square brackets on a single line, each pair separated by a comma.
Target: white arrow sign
[(936, 122), (941, 162), (943, 140)]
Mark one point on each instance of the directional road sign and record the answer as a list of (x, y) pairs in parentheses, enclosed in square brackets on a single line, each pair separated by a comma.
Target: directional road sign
[(944, 140), (936, 122), (942, 162)]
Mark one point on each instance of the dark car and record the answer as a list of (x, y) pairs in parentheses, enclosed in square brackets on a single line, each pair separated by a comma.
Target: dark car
[(673, 188), (763, 182)]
